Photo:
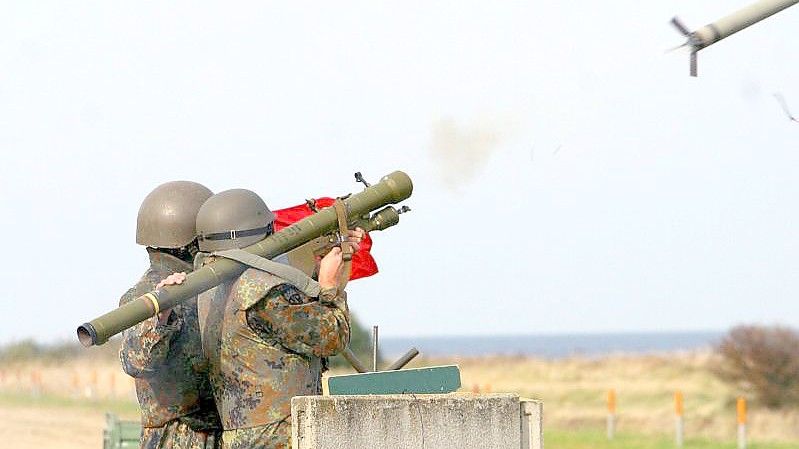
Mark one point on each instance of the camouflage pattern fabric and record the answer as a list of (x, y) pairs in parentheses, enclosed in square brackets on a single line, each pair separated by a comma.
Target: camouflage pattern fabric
[(302, 324), (177, 434), (272, 436), (168, 366), (264, 340)]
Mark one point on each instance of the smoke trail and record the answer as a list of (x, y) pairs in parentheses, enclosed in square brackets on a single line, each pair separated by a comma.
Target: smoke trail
[(461, 152)]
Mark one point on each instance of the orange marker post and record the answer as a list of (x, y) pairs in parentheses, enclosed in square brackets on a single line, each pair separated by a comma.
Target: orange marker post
[(741, 406), (112, 383), (678, 412), (611, 413), (36, 382), (93, 390)]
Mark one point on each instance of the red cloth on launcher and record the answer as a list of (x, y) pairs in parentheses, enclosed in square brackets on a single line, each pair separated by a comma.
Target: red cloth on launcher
[(363, 264)]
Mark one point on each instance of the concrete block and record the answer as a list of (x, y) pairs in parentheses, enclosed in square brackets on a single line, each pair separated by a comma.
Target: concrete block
[(532, 421), (433, 421)]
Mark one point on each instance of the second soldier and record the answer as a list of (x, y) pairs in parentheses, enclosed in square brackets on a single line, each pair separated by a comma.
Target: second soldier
[(163, 354), (265, 332)]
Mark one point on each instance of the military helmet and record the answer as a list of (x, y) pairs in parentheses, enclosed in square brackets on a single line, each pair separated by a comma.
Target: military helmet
[(233, 219), (167, 215)]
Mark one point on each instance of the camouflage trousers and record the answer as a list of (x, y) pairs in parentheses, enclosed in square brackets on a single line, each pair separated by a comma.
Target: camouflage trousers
[(275, 435), (178, 435)]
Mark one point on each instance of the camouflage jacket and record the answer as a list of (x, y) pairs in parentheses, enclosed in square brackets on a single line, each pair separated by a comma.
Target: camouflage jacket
[(264, 340), (166, 359)]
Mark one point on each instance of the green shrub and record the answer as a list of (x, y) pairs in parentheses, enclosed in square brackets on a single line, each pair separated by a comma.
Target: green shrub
[(29, 350)]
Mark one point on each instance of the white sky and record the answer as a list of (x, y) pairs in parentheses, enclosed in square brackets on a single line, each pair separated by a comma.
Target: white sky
[(670, 205)]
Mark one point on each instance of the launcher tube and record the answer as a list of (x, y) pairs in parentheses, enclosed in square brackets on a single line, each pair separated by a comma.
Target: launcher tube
[(392, 189)]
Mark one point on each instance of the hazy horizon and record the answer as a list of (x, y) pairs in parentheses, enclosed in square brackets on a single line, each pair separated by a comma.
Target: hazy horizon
[(409, 337), (549, 345)]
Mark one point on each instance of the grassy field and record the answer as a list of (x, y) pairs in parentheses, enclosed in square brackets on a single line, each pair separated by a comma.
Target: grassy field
[(574, 392), (45, 403), (594, 439)]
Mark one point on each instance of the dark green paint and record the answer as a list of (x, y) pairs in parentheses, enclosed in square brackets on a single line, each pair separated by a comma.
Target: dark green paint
[(430, 380)]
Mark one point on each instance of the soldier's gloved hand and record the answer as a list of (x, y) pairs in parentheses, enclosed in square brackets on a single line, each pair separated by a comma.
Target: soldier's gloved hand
[(331, 265), (172, 279), (354, 236)]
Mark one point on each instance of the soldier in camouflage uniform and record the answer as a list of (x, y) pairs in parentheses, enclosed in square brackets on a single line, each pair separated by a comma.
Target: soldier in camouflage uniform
[(164, 353), (264, 337)]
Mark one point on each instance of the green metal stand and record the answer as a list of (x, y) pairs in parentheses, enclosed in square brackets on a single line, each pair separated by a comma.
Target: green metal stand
[(428, 380), (120, 434)]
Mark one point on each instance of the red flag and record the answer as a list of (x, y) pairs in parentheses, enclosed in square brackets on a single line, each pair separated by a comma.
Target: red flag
[(363, 264)]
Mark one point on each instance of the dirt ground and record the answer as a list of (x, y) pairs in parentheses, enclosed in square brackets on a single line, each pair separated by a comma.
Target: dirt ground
[(34, 427), (61, 405)]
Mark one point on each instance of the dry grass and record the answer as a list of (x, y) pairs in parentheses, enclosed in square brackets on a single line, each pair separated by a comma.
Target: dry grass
[(574, 392), (45, 401), (60, 401), (83, 380)]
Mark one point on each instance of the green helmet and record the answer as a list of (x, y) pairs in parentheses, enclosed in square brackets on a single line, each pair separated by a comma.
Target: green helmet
[(233, 219), (167, 215)]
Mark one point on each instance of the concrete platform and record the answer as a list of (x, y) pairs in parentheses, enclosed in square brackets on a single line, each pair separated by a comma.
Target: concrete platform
[(408, 421)]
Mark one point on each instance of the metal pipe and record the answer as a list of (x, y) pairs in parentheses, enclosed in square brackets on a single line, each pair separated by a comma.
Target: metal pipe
[(374, 348), (350, 356), (404, 360)]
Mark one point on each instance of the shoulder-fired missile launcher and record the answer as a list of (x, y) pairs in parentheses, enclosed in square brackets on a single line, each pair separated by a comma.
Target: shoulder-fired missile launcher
[(392, 189)]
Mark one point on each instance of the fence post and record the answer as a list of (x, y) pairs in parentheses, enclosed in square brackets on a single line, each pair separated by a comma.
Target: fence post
[(112, 383), (741, 406), (679, 411), (36, 382), (611, 413), (93, 384)]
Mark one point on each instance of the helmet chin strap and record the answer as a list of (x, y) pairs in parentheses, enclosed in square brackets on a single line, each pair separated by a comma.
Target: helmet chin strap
[(184, 253), (235, 234)]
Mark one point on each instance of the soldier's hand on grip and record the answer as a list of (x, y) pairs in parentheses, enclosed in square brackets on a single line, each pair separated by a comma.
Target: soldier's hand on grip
[(172, 279), (331, 265), (354, 236), (329, 268)]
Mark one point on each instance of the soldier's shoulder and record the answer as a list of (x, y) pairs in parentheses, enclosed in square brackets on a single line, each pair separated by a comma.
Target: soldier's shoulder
[(260, 277), (255, 284), (146, 284)]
